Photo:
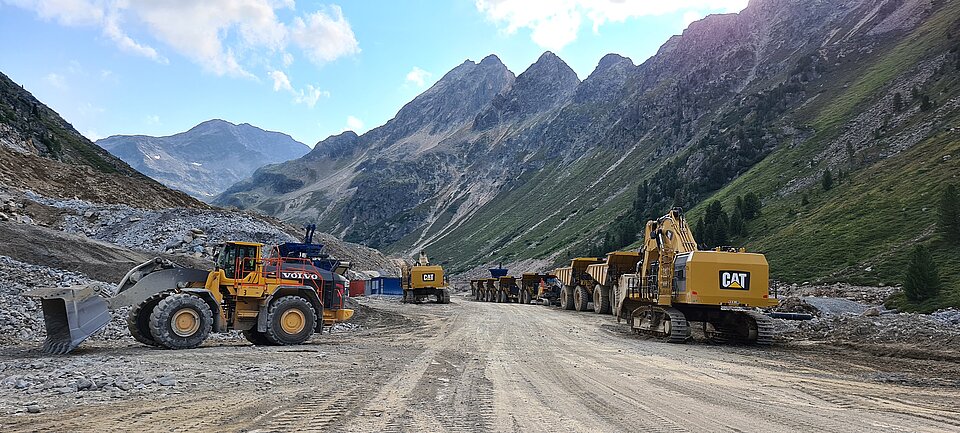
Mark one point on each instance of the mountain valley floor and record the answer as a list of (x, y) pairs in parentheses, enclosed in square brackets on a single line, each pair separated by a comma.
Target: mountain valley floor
[(471, 366)]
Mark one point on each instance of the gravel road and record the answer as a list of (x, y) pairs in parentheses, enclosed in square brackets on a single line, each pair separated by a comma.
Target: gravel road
[(471, 366)]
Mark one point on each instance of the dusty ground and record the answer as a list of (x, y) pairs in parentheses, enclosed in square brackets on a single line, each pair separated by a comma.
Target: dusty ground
[(472, 366)]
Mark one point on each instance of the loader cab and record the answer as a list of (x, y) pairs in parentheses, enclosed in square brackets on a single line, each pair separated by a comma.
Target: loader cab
[(237, 259)]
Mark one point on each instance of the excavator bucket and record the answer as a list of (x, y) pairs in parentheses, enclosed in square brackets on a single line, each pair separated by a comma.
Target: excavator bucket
[(71, 314)]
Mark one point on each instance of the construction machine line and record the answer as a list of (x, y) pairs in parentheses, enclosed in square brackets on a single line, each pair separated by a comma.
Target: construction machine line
[(659, 289)]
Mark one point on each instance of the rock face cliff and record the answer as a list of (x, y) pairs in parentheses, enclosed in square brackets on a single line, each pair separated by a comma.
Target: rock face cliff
[(40, 151), (485, 167), (208, 158)]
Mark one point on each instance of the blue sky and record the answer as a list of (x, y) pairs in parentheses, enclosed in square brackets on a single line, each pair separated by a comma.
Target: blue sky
[(309, 69)]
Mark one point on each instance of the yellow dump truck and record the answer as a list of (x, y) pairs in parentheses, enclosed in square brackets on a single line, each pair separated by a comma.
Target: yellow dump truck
[(605, 277), (577, 284), (677, 283), (529, 285)]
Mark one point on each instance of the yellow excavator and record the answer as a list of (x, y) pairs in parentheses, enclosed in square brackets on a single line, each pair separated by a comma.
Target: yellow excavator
[(676, 283), (423, 280), (272, 300)]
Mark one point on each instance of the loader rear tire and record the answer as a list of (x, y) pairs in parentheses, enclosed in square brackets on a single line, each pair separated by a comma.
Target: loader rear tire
[(290, 321), (581, 298), (566, 298), (256, 337), (138, 320), (601, 300), (181, 321)]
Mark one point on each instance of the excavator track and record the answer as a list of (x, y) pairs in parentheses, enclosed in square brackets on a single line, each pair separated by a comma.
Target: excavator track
[(669, 324), (764, 328), (739, 328)]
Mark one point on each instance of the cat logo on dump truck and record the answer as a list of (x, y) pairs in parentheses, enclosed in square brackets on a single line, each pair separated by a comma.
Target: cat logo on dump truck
[(429, 277), (735, 280)]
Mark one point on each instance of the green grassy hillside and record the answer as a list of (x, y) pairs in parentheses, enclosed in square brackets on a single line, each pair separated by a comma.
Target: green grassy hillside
[(862, 229)]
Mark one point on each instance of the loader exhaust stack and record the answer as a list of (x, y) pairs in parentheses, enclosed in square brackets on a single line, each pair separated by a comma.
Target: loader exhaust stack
[(70, 314)]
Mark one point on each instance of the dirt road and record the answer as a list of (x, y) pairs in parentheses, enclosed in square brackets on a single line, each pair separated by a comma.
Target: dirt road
[(472, 366)]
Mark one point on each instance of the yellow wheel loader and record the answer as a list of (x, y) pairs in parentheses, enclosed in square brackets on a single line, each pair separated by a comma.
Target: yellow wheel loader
[(273, 301), (423, 280), (676, 283)]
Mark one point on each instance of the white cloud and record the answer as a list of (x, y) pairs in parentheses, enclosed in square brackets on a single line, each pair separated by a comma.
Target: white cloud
[(353, 124), (418, 76), (56, 80), (310, 95), (554, 24), (224, 37), (152, 120), (690, 16), (280, 81), (324, 37), (92, 135), (111, 29)]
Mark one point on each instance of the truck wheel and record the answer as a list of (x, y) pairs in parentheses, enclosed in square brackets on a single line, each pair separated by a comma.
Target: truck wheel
[(138, 320), (256, 337), (181, 321), (566, 298), (290, 321), (601, 300), (581, 297)]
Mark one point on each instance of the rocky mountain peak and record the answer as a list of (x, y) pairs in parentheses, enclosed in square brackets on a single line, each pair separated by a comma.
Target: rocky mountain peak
[(456, 98), (545, 85), (335, 146), (609, 61)]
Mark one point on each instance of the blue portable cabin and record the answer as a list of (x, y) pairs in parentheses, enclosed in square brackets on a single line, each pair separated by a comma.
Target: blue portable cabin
[(389, 286)]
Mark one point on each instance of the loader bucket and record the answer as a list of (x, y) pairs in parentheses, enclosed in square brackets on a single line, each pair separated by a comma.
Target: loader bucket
[(70, 314)]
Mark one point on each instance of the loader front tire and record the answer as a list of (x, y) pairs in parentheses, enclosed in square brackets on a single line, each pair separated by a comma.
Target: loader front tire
[(290, 321), (138, 320), (181, 321), (581, 297)]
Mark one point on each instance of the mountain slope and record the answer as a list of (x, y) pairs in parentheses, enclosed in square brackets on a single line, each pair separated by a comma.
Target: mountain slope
[(208, 158), (40, 151), (761, 101)]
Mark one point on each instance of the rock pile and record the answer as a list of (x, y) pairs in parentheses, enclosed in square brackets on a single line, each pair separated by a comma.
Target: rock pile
[(949, 316), (184, 231)]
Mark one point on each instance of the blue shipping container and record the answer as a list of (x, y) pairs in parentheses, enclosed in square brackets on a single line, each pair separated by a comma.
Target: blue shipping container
[(384, 286)]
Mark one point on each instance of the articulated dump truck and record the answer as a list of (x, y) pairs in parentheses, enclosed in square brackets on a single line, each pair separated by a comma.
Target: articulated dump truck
[(500, 287), (503, 288), (577, 285)]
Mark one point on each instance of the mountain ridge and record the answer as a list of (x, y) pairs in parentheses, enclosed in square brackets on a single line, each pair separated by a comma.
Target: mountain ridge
[(206, 159)]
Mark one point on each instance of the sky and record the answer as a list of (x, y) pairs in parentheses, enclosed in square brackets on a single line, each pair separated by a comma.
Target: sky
[(310, 69)]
